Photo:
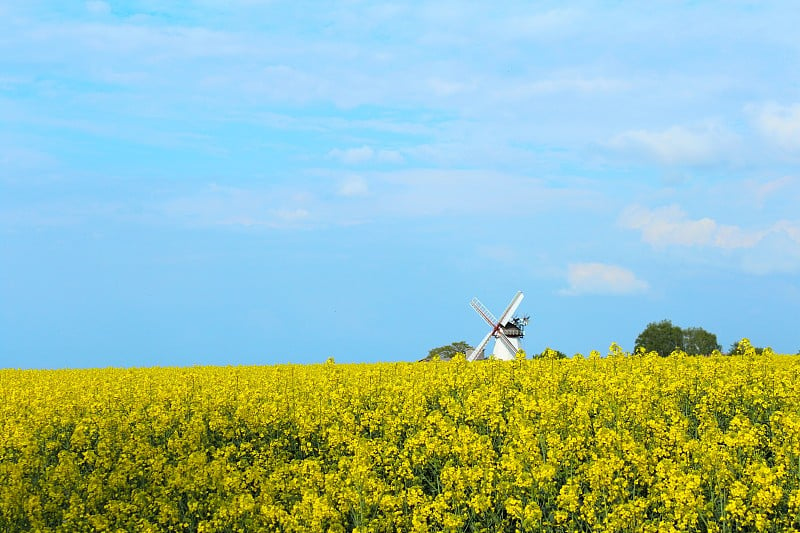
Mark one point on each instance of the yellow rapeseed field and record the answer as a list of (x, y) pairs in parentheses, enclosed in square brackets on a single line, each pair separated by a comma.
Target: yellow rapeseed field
[(618, 443)]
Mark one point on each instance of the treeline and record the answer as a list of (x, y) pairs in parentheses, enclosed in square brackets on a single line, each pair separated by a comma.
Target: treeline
[(665, 338), (661, 337)]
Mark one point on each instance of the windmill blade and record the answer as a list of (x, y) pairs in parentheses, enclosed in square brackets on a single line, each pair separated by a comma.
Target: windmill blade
[(484, 312), (502, 336), (480, 347), (512, 308)]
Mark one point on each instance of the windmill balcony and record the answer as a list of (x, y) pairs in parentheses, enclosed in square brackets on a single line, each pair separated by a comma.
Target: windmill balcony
[(512, 331)]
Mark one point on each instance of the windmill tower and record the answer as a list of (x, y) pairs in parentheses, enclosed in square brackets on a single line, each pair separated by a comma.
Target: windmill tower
[(508, 331)]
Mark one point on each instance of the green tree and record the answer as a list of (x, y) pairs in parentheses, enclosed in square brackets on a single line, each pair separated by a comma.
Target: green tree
[(445, 353), (697, 341), (662, 337)]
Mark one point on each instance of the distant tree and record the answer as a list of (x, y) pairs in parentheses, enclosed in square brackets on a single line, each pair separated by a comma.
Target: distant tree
[(662, 337), (697, 341), (445, 353)]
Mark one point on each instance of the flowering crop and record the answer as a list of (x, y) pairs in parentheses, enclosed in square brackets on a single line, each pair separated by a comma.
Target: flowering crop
[(622, 443)]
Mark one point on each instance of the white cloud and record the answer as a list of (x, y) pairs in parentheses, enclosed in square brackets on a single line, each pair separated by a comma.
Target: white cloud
[(781, 124), (730, 237), (671, 226), (602, 278), (775, 248), (362, 154), (678, 145), (353, 186)]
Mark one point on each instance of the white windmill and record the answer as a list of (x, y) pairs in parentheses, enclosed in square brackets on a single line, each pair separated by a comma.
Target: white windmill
[(507, 331)]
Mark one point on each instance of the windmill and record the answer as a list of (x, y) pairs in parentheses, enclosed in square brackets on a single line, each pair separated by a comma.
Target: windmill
[(507, 331)]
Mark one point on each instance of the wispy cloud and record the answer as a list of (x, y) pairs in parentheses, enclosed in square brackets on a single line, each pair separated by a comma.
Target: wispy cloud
[(65, 213), (139, 44), (774, 248), (345, 199), (428, 192), (778, 252), (352, 186), (671, 226), (678, 145), (779, 123), (759, 192), (216, 205), (601, 278), (791, 229), (563, 84), (290, 216), (19, 163), (363, 154)]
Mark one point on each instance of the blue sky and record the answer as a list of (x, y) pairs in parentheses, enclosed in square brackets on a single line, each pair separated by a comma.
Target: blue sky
[(249, 182)]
